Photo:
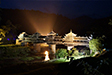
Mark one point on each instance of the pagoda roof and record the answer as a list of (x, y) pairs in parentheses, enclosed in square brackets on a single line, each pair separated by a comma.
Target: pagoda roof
[(52, 33), (37, 33), (71, 34)]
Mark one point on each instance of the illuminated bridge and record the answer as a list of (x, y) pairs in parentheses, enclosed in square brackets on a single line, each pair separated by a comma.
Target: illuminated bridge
[(52, 39)]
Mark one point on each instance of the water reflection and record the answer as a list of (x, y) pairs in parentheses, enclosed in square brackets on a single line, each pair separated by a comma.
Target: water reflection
[(47, 56), (39, 49)]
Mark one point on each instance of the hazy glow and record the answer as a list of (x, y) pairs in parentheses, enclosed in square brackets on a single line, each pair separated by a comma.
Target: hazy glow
[(0, 39), (38, 21), (47, 56), (44, 45), (43, 23)]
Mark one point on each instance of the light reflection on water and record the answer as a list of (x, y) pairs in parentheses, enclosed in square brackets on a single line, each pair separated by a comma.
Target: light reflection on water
[(40, 48), (46, 56)]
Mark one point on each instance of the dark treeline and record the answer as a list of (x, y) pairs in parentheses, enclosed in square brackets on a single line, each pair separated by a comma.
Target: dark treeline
[(31, 21), (81, 25)]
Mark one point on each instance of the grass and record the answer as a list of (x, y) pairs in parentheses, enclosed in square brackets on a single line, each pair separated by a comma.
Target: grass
[(27, 58), (19, 50), (7, 45), (27, 65), (57, 69), (37, 57), (30, 58), (1, 42), (3, 58), (61, 60)]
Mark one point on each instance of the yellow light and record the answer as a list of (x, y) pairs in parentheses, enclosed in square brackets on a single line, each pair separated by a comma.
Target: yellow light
[(47, 56), (40, 24)]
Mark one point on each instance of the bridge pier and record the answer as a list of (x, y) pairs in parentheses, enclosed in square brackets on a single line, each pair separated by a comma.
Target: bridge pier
[(53, 47), (37, 47), (70, 47)]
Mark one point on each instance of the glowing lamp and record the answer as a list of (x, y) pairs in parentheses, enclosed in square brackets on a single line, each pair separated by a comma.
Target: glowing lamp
[(8, 39), (46, 56)]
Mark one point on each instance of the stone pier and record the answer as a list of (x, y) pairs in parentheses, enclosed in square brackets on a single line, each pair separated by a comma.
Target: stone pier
[(53, 47), (37, 47), (70, 47)]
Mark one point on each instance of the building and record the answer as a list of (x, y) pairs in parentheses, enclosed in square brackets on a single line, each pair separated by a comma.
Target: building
[(52, 39)]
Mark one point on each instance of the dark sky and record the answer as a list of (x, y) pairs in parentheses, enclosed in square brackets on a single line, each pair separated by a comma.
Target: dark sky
[(68, 8)]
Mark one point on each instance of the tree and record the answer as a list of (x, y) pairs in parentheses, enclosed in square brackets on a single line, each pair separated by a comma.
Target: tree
[(6, 28), (0, 10), (110, 23), (61, 53), (0, 14), (95, 45), (2, 33), (74, 52)]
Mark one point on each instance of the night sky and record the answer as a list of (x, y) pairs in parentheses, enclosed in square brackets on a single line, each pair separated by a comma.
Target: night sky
[(68, 8)]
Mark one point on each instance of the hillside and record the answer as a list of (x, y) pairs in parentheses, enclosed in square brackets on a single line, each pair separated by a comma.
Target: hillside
[(35, 21)]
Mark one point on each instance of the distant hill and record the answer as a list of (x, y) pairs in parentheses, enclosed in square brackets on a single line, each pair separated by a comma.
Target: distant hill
[(36, 21)]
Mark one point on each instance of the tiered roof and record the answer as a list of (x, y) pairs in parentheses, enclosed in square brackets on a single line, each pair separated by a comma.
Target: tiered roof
[(52, 33), (70, 36)]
